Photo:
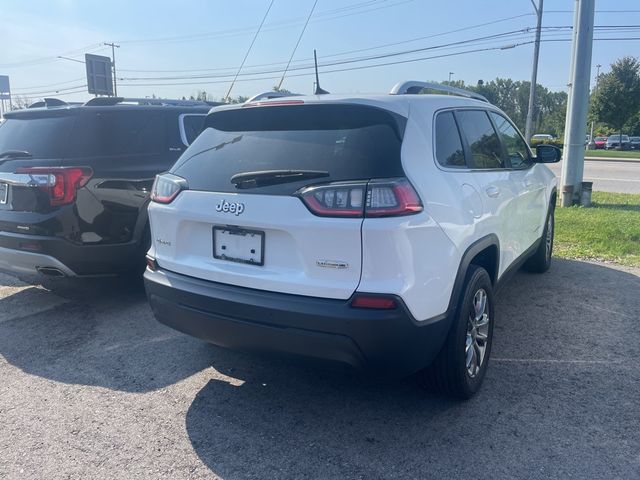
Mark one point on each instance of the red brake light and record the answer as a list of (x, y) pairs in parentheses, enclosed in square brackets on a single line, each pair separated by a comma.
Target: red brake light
[(152, 264), (376, 198), (61, 183), (373, 301), (166, 188)]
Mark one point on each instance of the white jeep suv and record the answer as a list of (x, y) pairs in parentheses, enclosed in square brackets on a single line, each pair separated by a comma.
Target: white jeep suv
[(371, 231)]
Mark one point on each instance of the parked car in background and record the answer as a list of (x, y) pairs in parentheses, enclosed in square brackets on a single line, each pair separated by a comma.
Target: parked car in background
[(75, 181), (618, 142), (370, 231), (634, 143), (600, 142), (542, 138)]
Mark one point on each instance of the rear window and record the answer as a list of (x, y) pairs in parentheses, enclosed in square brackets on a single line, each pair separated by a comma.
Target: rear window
[(86, 134), (42, 137), (119, 133), (349, 142)]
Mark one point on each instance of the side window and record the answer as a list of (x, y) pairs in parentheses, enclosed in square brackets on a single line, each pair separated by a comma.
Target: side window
[(517, 151), (191, 126), (449, 151), (483, 141)]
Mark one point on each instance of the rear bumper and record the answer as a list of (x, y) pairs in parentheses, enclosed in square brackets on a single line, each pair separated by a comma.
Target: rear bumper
[(19, 261), (22, 253), (390, 342)]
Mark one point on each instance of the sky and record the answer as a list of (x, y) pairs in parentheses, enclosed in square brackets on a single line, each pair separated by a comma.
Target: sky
[(174, 49)]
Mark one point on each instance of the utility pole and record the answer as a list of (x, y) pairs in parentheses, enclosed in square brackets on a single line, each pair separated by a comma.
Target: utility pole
[(113, 65), (528, 129), (578, 102), (450, 73), (592, 142)]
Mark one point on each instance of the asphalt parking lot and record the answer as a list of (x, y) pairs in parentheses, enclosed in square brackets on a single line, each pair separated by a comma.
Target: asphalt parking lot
[(92, 387)]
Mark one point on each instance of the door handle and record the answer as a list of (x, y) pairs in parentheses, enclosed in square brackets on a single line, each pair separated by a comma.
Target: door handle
[(528, 183), (493, 191)]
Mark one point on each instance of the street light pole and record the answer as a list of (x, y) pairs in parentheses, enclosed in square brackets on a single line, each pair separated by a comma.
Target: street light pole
[(528, 129), (70, 59), (577, 103), (113, 65), (592, 142), (450, 73)]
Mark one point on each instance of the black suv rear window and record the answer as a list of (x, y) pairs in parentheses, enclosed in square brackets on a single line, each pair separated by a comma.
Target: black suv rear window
[(350, 142), (119, 133), (41, 137)]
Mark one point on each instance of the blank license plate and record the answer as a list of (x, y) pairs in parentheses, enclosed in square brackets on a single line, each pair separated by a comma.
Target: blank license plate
[(238, 245), (4, 193)]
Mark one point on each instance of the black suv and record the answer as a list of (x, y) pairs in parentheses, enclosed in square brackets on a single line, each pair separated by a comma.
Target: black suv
[(75, 181)]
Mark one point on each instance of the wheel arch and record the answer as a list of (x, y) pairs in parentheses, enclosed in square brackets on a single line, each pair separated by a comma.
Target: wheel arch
[(484, 252)]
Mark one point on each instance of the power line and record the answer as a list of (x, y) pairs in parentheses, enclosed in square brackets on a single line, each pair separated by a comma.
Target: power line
[(249, 49), (362, 67), (309, 59), (297, 43), (338, 62), (330, 15)]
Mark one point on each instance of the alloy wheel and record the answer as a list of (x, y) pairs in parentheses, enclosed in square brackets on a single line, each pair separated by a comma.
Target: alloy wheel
[(477, 338)]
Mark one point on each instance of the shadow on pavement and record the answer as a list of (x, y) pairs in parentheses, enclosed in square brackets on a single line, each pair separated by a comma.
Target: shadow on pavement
[(561, 376), (97, 332)]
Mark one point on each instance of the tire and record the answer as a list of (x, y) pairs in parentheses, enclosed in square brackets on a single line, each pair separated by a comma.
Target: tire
[(540, 261), (456, 371)]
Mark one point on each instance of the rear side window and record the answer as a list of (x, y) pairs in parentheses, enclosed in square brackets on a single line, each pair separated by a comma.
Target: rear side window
[(486, 151), (127, 132), (42, 137), (517, 150), (348, 142), (190, 127), (449, 151)]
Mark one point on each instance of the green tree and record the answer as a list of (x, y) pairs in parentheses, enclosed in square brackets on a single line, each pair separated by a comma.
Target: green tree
[(618, 97)]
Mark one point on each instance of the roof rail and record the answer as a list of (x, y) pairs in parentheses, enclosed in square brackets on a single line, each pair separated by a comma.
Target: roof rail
[(411, 87), (271, 94), (48, 102), (108, 101)]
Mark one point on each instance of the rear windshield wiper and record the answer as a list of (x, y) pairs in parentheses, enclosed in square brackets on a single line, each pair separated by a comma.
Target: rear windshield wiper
[(8, 154), (274, 177)]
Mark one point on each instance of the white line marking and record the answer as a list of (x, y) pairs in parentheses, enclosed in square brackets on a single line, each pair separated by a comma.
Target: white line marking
[(553, 361)]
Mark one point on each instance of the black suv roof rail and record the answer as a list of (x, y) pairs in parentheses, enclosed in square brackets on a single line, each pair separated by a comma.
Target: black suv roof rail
[(412, 87), (51, 102), (271, 94), (110, 101)]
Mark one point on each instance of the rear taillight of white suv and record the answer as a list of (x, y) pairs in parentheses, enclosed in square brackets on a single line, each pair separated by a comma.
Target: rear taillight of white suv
[(374, 198), (60, 183), (166, 187)]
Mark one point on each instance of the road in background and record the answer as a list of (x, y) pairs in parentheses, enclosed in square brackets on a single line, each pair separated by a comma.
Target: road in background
[(622, 176), (93, 387)]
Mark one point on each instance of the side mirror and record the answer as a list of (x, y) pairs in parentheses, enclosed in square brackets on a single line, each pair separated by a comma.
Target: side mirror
[(547, 154)]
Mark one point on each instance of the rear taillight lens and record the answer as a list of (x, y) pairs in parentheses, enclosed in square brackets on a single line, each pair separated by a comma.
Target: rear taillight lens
[(152, 264), (60, 183), (166, 187), (375, 198)]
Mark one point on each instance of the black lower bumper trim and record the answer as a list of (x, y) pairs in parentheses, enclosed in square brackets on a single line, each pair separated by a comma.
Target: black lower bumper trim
[(99, 259), (391, 342)]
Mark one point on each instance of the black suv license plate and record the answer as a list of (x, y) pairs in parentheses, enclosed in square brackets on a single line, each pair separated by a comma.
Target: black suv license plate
[(238, 245)]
